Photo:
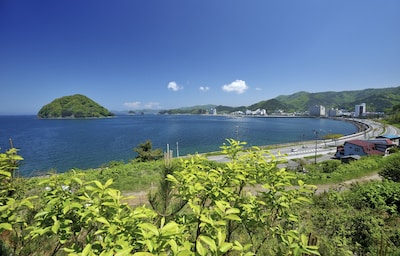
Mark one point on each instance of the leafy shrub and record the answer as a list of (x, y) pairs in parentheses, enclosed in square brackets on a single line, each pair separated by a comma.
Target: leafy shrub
[(146, 153), (334, 172), (376, 195), (391, 169), (77, 216), (329, 166)]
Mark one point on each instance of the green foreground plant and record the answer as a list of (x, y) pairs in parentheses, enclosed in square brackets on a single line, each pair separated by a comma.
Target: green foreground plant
[(221, 216)]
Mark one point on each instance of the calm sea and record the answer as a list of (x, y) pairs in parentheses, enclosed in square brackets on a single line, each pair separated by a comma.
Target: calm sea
[(64, 144)]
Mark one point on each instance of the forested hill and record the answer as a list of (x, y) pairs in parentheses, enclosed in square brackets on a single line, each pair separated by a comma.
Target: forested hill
[(380, 100), (75, 106), (376, 99)]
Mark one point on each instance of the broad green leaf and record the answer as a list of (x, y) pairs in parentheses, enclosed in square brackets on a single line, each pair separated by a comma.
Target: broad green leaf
[(66, 208), (124, 252), (200, 248), (304, 239), (185, 253), (98, 184), (221, 237), (233, 217), (174, 246), (3, 208), (55, 227), (5, 226), (150, 227), (237, 246), (103, 220), (209, 241), (171, 228), (5, 173), (115, 194), (220, 206), (77, 180), (149, 245), (232, 211), (225, 247), (87, 250), (70, 250), (108, 183)]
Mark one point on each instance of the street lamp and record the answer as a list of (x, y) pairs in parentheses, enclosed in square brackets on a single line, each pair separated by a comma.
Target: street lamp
[(316, 146)]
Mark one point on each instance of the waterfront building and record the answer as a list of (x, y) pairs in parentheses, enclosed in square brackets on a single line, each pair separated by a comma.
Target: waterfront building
[(213, 111), (335, 112), (257, 112), (317, 110), (360, 110)]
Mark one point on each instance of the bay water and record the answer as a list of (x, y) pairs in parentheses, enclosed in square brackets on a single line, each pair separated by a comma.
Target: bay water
[(62, 144)]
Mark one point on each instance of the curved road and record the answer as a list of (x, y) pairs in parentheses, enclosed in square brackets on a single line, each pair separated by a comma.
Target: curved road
[(323, 147)]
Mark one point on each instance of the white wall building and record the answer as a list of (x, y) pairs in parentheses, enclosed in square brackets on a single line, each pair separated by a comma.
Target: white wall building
[(334, 112), (257, 112), (360, 110)]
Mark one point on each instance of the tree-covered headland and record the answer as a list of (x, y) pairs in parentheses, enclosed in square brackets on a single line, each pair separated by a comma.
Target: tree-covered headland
[(75, 106)]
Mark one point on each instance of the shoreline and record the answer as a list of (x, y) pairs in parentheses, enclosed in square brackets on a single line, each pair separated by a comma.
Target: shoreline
[(295, 141)]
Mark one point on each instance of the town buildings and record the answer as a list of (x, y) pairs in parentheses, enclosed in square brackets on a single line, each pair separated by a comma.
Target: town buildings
[(320, 111)]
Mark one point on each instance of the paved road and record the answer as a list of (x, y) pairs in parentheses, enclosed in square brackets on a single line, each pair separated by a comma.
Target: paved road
[(324, 148)]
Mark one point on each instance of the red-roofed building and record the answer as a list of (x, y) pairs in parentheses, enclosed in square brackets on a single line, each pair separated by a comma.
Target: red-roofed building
[(363, 148)]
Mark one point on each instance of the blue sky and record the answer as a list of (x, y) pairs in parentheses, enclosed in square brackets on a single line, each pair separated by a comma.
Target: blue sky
[(135, 54)]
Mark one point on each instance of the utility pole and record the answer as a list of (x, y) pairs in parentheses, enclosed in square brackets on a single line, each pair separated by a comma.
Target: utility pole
[(316, 146), (177, 149)]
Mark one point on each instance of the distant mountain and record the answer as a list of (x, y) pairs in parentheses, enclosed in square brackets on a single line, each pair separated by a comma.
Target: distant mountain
[(376, 99), (75, 106), (200, 109), (379, 100), (270, 105), (136, 112)]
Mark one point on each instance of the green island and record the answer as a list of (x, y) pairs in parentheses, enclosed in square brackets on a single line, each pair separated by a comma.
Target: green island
[(74, 106), (159, 205)]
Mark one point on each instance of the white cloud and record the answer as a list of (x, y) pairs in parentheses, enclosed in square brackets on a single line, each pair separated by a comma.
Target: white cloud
[(138, 105), (174, 86), (133, 105), (258, 89), (152, 105), (238, 86), (204, 88)]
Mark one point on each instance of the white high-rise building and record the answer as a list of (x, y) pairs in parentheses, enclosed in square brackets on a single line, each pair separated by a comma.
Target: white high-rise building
[(360, 110), (317, 110)]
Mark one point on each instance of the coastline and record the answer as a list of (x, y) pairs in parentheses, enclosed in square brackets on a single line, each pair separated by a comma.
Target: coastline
[(64, 145)]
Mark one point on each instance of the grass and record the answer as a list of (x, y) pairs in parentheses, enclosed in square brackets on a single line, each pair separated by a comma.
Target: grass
[(136, 176), (319, 174), (132, 176)]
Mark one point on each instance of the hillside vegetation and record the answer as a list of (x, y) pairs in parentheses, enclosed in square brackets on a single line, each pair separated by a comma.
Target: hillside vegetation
[(198, 207), (377, 100), (75, 106)]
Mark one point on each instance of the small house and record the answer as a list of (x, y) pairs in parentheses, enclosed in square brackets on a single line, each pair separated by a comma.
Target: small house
[(363, 148)]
